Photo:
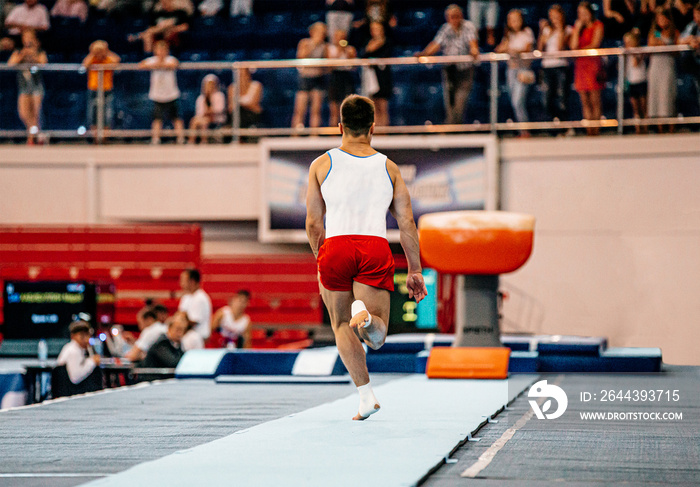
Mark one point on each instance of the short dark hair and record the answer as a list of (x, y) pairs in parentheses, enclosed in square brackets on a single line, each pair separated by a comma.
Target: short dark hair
[(194, 275), (159, 308), (243, 292), (150, 314), (357, 115)]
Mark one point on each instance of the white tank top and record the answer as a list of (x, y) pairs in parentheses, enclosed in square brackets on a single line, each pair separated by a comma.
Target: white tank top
[(358, 192), (233, 328)]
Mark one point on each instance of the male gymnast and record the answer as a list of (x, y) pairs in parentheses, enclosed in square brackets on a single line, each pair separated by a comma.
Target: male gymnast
[(354, 186)]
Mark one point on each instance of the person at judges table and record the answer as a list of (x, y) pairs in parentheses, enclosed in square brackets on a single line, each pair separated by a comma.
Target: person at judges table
[(167, 351), (77, 368)]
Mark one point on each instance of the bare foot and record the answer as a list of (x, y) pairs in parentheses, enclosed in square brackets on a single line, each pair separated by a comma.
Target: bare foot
[(359, 417)]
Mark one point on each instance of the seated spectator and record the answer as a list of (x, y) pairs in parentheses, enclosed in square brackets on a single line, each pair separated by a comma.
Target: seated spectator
[(241, 7), (342, 80), (518, 39), (100, 54), (661, 88), (164, 92), (80, 364), (312, 80), (554, 38), (589, 77), (210, 108), (682, 12), (380, 47), (232, 321), (691, 37), (618, 17), (30, 85), (484, 14), (457, 37), (636, 77), (339, 15), (153, 330), (76, 9), (170, 18), (167, 351), (30, 15), (250, 102)]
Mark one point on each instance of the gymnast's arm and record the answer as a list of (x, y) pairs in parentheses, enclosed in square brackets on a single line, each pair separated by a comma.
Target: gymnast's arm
[(403, 212), (315, 206)]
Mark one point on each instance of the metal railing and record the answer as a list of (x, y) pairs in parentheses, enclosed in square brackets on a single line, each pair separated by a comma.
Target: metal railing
[(235, 131)]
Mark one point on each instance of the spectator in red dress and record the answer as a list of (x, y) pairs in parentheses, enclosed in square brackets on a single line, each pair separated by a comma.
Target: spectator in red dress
[(588, 71)]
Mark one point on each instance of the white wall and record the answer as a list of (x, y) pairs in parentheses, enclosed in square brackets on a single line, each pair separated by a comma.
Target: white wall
[(617, 241)]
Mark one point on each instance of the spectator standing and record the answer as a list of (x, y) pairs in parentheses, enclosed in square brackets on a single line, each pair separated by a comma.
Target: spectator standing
[(164, 92), (342, 80), (457, 37), (100, 54), (76, 9), (250, 100), (30, 15), (339, 14), (80, 363), (691, 37), (484, 14), (636, 76), (210, 108), (312, 80), (379, 46), (554, 38), (167, 351), (192, 340), (518, 39), (195, 302), (375, 11), (618, 17), (661, 91), (588, 71), (232, 321), (153, 330), (30, 85), (168, 20)]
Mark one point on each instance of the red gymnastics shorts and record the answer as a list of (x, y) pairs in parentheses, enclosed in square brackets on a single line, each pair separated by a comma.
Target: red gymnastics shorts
[(347, 258)]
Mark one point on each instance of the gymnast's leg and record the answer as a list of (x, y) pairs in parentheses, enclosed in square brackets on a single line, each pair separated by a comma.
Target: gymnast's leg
[(350, 348)]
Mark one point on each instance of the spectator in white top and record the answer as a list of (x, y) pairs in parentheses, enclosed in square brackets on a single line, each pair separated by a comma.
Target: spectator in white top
[(457, 37), (517, 40), (554, 38), (149, 335), (31, 15), (195, 302), (232, 321), (339, 15), (77, 9), (210, 108), (76, 355), (250, 102), (164, 91)]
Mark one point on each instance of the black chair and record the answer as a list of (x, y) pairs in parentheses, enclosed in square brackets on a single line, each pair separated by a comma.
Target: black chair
[(62, 386)]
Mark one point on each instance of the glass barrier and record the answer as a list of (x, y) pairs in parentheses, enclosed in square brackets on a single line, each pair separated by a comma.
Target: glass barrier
[(565, 93)]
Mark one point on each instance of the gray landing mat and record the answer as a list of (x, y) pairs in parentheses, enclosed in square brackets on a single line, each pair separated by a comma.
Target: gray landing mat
[(420, 422), (109, 432), (577, 452)]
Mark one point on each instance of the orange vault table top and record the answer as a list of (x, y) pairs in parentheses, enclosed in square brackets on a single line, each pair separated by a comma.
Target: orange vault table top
[(476, 242)]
